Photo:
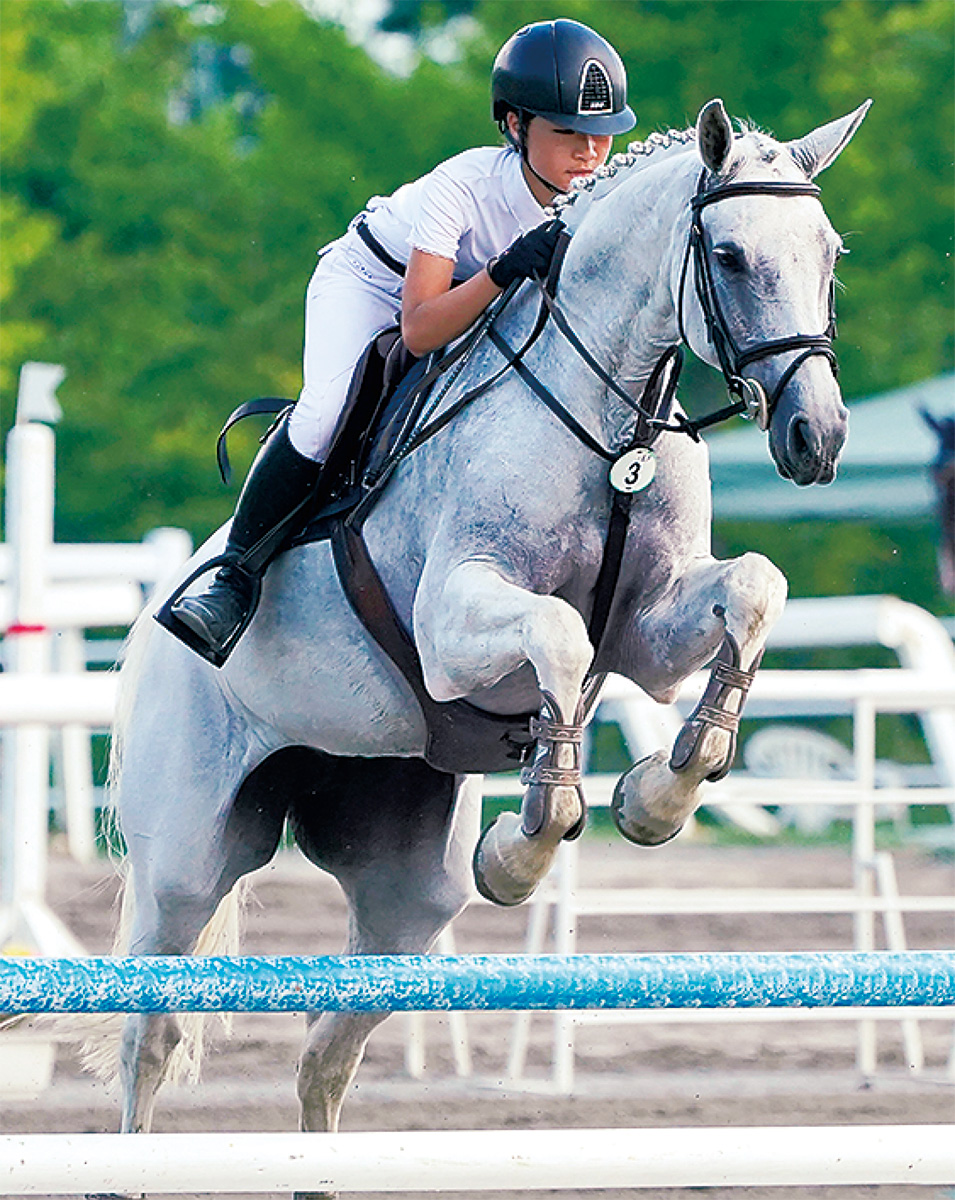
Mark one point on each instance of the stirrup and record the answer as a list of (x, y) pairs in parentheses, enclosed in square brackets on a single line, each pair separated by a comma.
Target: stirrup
[(216, 655)]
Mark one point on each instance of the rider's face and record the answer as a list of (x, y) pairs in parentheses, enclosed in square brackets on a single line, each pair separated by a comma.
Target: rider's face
[(560, 155)]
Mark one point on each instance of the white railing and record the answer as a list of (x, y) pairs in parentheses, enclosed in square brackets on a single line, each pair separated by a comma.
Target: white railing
[(872, 896), (49, 596)]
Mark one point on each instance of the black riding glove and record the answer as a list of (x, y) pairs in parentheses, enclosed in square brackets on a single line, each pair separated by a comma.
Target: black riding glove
[(528, 255)]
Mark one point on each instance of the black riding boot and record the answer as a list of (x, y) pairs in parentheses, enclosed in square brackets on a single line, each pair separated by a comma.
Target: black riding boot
[(274, 501)]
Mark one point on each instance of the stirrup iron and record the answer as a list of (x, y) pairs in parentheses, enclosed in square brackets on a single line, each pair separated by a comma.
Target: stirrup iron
[(216, 655)]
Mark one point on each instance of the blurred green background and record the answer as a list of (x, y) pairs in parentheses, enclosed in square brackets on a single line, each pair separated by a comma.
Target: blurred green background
[(170, 169)]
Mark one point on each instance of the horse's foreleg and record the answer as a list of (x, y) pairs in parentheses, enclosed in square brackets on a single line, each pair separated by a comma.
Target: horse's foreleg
[(720, 614), (474, 631)]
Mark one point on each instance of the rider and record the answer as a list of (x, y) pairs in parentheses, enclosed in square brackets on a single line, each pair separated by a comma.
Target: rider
[(442, 247)]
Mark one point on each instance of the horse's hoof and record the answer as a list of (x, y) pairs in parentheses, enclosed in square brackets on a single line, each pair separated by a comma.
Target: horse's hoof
[(508, 865), (643, 806)]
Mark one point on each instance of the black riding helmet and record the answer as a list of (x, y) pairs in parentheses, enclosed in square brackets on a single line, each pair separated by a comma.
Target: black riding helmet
[(562, 71)]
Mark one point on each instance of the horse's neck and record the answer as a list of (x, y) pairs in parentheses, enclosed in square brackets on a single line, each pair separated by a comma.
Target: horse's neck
[(616, 285)]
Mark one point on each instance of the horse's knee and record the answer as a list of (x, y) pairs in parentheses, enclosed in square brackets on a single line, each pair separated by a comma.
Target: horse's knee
[(477, 627), (755, 596), (560, 650)]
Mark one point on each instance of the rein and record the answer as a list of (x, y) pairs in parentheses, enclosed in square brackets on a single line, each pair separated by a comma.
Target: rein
[(360, 579)]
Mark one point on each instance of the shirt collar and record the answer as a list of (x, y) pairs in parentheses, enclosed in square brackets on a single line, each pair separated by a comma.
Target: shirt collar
[(518, 196)]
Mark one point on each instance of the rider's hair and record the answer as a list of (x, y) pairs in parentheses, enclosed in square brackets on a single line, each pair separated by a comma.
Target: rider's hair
[(524, 119)]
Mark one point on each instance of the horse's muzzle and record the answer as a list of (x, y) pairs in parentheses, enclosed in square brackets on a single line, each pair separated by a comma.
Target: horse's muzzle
[(806, 448)]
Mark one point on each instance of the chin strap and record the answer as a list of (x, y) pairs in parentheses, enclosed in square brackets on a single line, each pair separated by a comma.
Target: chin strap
[(525, 158), (520, 145)]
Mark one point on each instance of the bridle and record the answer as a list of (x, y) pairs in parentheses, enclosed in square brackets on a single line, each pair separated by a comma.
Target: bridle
[(752, 401)]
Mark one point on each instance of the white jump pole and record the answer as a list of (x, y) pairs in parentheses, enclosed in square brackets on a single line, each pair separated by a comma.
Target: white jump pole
[(446, 1161), (25, 919)]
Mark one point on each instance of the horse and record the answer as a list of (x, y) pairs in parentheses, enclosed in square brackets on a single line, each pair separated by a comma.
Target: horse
[(942, 472), (491, 538)]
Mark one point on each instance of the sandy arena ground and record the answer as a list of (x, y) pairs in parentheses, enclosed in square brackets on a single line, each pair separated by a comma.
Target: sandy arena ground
[(630, 1075)]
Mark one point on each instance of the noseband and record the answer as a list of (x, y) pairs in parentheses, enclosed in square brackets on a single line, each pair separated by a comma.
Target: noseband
[(752, 402)]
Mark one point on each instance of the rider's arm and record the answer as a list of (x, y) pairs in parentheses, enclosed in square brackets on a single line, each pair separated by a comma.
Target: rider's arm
[(432, 312)]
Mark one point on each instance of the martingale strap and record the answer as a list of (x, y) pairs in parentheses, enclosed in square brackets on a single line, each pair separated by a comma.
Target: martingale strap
[(461, 737), (656, 402)]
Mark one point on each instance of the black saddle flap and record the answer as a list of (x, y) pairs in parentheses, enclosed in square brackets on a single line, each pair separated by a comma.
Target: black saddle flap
[(383, 364)]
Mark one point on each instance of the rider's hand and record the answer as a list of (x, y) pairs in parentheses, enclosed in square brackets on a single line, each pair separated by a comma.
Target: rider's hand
[(528, 255)]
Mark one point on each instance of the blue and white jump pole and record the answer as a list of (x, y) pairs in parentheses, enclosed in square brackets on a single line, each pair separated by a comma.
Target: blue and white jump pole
[(402, 983)]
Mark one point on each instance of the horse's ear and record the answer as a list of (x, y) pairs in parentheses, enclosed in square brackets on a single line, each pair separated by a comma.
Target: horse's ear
[(818, 149), (714, 136)]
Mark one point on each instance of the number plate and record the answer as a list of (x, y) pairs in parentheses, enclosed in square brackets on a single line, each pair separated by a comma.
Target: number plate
[(633, 471)]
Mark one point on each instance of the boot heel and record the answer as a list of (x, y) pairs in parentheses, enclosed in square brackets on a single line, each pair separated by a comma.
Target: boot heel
[(217, 655)]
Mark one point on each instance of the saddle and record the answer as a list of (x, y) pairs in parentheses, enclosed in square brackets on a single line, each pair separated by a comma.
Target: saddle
[(388, 388), (375, 412)]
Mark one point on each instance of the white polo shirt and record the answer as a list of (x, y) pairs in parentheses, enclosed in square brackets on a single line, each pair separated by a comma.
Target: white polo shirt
[(467, 209)]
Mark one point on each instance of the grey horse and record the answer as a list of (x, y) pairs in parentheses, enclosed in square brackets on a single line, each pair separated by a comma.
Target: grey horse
[(490, 538)]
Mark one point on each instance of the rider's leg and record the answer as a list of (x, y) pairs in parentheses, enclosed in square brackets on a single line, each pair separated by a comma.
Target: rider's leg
[(343, 312), (277, 493)]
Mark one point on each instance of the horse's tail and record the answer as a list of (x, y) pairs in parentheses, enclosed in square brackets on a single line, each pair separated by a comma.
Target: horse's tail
[(130, 666), (100, 1046)]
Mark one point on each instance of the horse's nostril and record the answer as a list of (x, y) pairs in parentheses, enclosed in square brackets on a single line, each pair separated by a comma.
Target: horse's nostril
[(800, 438)]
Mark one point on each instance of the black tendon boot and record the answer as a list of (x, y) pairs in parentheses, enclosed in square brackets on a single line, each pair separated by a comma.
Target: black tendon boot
[(274, 502)]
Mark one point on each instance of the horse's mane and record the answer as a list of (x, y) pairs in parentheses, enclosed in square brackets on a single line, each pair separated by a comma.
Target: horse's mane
[(621, 167), (573, 205)]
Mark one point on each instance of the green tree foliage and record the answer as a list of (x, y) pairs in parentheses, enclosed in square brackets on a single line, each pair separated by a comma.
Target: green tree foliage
[(894, 196), (158, 237)]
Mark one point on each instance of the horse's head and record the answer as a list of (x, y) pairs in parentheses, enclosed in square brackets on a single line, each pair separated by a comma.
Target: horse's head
[(756, 287)]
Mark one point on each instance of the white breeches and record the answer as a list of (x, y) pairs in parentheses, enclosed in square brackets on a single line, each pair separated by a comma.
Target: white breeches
[(351, 297)]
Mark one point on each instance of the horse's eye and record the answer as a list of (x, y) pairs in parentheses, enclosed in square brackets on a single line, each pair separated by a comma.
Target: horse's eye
[(730, 259)]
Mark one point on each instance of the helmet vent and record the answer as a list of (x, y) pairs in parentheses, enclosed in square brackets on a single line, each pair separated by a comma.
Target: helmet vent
[(596, 94)]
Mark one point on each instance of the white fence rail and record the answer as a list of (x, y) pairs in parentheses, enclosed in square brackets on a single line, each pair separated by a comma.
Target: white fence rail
[(487, 1160)]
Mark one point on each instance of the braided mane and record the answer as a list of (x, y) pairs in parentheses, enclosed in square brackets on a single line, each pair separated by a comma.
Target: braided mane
[(604, 179)]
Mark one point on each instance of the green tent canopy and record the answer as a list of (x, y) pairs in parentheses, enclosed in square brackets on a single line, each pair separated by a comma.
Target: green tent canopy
[(883, 473)]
